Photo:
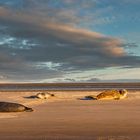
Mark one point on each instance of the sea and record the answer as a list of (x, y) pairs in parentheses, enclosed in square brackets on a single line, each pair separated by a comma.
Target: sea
[(67, 86)]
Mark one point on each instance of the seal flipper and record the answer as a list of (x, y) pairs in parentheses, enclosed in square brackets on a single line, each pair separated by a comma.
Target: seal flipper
[(27, 109), (52, 95)]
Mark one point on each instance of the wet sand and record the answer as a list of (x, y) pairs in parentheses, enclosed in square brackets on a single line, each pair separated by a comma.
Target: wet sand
[(69, 117)]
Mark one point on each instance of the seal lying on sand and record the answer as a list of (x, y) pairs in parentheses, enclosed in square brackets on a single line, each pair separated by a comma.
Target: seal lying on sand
[(44, 95), (13, 107), (109, 94)]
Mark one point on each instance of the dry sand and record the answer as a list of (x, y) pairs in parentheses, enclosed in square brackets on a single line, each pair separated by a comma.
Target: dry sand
[(69, 117)]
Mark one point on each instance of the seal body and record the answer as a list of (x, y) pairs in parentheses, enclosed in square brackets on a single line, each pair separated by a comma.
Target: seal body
[(13, 107), (109, 94), (112, 94), (44, 95)]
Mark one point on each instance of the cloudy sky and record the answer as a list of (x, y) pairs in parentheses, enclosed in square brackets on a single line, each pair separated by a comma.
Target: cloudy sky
[(69, 40)]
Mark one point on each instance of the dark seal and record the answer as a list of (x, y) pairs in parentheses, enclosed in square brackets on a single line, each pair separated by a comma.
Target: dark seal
[(13, 107)]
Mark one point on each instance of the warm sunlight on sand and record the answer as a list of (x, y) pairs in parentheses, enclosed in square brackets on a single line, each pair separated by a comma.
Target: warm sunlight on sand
[(68, 116)]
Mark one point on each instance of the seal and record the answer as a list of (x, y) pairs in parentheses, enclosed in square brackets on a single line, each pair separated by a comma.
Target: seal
[(109, 94), (13, 107), (112, 94), (44, 95)]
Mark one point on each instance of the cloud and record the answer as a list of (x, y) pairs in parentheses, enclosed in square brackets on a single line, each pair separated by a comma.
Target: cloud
[(55, 48)]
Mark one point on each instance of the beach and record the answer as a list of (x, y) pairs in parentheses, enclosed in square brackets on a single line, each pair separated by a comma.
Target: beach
[(68, 116)]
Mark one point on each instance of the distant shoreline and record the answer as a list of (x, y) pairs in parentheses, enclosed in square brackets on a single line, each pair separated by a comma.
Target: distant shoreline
[(58, 90), (76, 83), (67, 86)]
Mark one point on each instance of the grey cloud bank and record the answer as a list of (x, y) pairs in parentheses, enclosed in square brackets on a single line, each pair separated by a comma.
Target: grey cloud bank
[(39, 48)]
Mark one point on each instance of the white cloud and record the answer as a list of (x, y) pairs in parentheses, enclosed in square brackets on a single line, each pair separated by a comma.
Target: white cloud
[(48, 65)]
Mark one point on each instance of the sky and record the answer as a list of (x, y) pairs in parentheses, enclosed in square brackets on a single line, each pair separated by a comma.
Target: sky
[(69, 41)]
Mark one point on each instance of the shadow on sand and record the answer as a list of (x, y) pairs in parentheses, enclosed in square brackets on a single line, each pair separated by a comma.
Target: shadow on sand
[(31, 97), (87, 98)]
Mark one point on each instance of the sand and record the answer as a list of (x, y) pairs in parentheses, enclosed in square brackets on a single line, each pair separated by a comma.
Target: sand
[(68, 116)]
